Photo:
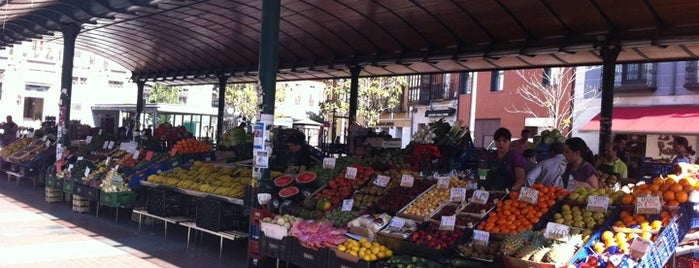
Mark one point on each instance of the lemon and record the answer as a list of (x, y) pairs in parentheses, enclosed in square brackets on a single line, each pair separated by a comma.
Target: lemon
[(353, 253), (363, 240), (375, 250), (342, 248)]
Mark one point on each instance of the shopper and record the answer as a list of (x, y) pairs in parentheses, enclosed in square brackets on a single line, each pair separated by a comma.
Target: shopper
[(9, 133), (612, 164), (521, 144), (622, 140), (579, 170), (549, 171), (300, 158), (530, 159), (683, 152), (506, 167)]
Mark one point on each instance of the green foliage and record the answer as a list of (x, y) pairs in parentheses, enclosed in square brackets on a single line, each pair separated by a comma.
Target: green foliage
[(376, 95), (243, 97), (160, 93)]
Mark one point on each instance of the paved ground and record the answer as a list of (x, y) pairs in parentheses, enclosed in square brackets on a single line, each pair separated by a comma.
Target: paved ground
[(34, 233)]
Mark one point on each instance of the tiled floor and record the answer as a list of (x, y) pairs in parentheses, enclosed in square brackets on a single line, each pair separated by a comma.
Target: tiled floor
[(34, 233)]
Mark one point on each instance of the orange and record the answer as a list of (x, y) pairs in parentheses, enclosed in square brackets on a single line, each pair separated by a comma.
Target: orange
[(657, 181), (677, 187), (681, 197), (669, 196), (627, 199), (655, 187), (684, 182), (673, 203)]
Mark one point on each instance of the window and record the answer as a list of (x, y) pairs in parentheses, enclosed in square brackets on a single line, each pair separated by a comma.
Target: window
[(546, 77), (465, 83), (636, 76), (496, 80), (37, 88), (33, 108), (116, 84)]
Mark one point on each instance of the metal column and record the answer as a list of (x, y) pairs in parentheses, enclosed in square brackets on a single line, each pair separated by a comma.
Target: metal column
[(222, 80), (609, 52), (140, 102), (354, 92), (70, 33)]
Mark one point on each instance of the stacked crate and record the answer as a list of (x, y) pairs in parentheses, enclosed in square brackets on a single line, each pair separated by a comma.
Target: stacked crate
[(53, 195), (80, 204)]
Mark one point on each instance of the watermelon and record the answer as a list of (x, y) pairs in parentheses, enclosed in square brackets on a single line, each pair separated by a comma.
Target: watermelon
[(306, 177), (288, 192), (283, 181)]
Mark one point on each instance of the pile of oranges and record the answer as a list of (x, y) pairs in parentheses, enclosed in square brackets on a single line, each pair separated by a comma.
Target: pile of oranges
[(192, 145), (673, 190), (512, 216)]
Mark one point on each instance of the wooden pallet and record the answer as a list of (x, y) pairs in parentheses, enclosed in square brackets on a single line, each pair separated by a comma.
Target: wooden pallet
[(80, 204), (54, 195)]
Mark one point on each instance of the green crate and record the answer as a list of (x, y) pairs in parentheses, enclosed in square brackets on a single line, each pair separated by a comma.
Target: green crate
[(68, 186), (51, 182), (118, 199)]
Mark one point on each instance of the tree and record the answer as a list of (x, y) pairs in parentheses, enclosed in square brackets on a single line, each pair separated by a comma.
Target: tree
[(376, 95), (243, 97), (551, 92), (160, 93)]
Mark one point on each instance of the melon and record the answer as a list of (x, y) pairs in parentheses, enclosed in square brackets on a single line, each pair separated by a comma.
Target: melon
[(283, 181), (306, 177), (289, 191)]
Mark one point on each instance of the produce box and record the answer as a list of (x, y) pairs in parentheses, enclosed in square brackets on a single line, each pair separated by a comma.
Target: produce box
[(165, 203), (86, 191), (217, 215), (278, 249), (307, 257), (399, 246), (118, 199), (339, 259), (512, 262), (68, 186), (52, 182)]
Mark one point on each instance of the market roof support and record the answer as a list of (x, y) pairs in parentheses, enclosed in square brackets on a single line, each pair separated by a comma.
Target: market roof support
[(70, 33), (354, 92), (609, 51), (140, 102), (222, 80)]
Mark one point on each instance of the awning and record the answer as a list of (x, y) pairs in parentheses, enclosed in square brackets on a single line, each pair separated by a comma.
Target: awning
[(651, 120)]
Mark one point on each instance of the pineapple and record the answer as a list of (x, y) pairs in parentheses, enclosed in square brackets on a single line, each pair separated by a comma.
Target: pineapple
[(562, 253), (514, 242), (525, 252), (539, 254)]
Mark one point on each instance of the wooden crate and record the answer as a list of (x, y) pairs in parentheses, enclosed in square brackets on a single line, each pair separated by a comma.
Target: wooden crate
[(80, 204), (54, 195)]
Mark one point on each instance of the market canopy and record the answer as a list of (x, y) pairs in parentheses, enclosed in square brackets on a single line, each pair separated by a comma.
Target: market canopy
[(192, 42), (651, 120)]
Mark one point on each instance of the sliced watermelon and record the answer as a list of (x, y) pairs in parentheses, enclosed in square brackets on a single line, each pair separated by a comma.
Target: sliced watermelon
[(288, 192), (283, 181), (306, 177)]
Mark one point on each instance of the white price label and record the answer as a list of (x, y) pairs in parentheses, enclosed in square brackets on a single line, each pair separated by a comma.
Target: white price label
[(443, 182), (18, 134), (174, 164), (648, 204), (88, 139), (87, 171), (382, 180), (397, 223), (106, 161), (347, 204), (597, 203), (329, 162), (556, 231), (480, 197), (100, 133), (117, 179), (407, 180), (48, 143), (529, 195), (481, 237), (105, 145), (44, 138), (447, 223), (136, 154), (80, 158), (70, 167), (640, 247), (457, 195), (351, 173), (208, 159), (111, 145), (116, 167)]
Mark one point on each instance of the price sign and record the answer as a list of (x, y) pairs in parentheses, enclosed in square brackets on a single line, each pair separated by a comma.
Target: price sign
[(473, 185), (149, 155), (100, 133), (640, 247), (48, 143), (648, 204), (481, 237), (106, 161), (457, 195), (407, 180), (70, 167), (18, 134), (556, 231), (329, 162), (44, 138), (116, 167), (117, 179), (106, 143), (347, 204), (87, 171), (443, 182), (382, 180), (111, 145), (80, 158), (397, 223), (529, 195), (480, 197), (136, 154), (597, 203), (88, 139), (447, 223), (173, 151), (351, 173)]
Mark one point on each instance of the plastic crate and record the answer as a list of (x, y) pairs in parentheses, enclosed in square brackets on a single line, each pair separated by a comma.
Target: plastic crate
[(693, 212), (218, 215), (278, 249), (308, 257), (686, 261), (68, 186), (165, 203), (653, 169), (87, 192), (335, 260), (117, 199)]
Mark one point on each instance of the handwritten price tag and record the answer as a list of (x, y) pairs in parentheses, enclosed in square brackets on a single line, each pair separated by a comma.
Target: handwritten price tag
[(136, 154), (397, 223), (87, 171), (106, 143), (149, 155), (481, 237), (648, 204), (556, 231), (347, 204), (111, 145), (480, 197), (597, 203), (329, 162), (70, 167), (640, 247), (382, 180), (443, 182), (447, 223), (407, 180), (457, 195), (88, 139), (106, 161), (80, 158), (351, 173), (529, 195)]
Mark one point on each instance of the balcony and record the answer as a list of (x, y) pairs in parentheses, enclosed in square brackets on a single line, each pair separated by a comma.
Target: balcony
[(639, 77), (418, 96), (692, 77)]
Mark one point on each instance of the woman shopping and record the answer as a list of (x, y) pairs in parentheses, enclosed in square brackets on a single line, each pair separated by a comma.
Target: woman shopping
[(684, 152), (579, 170), (506, 167)]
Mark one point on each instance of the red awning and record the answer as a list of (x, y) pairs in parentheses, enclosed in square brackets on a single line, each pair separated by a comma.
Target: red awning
[(651, 120)]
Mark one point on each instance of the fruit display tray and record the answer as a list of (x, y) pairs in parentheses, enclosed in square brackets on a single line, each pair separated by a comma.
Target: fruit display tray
[(401, 213)]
